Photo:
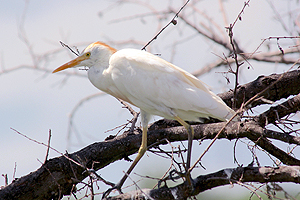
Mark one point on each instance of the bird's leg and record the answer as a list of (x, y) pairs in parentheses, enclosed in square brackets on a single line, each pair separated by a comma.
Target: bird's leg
[(190, 131), (141, 152)]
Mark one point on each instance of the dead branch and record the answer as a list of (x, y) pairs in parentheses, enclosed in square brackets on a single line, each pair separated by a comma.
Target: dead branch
[(268, 57), (173, 21), (216, 179), (276, 112), (278, 91), (57, 176)]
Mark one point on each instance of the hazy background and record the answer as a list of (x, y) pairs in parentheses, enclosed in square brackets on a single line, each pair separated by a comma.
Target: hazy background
[(34, 101)]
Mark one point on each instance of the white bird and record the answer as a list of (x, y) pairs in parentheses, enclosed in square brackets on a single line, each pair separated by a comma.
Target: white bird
[(152, 84)]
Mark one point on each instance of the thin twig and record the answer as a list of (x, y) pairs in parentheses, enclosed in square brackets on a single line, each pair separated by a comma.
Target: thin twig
[(173, 21), (48, 148), (253, 191), (239, 16), (15, 170), (277, 38), (41, 143), (92, 171), (5, 180), (71, 127), (68, 47), (236, 73), (146, 195), (235, 54)]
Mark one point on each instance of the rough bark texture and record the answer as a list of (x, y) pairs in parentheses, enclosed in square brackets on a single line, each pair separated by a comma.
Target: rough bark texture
[(276, 92), (220, 178), (58, 176)]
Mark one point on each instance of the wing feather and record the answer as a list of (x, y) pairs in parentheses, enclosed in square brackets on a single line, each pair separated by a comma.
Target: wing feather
[(160, 88)]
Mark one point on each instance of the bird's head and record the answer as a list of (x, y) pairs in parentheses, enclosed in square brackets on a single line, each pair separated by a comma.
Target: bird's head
[(97, 53)]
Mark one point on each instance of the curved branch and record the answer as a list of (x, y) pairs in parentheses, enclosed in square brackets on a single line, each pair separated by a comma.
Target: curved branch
[(58, 175), (257, 136), (284, 137), (269, 57), (276, 92), (276, 112), (220, 178)]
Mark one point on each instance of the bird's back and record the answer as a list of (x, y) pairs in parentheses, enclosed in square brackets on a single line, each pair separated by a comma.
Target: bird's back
[(160, 88)]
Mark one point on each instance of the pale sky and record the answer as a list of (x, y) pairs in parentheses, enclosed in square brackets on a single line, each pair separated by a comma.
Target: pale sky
[(32, 102)]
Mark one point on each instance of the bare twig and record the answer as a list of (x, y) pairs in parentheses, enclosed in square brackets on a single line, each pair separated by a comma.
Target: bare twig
[(277, 38), (173, 21), (48, 148), (235, 53), (68, 47), (136, 185), (92, 171), (249, 188), (5, 180), (135, 114), (71, 126), (239, 16), (236, 74), (41, 143), (15, 171), (213, 141)]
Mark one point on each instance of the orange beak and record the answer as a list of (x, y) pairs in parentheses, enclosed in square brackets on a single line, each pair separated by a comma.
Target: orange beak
[(70, 64)]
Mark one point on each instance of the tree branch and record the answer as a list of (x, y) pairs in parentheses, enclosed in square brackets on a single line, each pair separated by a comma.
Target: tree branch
[(216, 179), (268, 57), (58, 176), (276, 112), (278, 91)]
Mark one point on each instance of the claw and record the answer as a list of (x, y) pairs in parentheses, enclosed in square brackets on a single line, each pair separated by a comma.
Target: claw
[(180, 175), (159, 183), (171, 177), (115, 187), (187, 176)]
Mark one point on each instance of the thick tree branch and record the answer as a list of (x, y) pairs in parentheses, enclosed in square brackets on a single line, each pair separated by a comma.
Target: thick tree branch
[(278, 91), (284, 137), (58, 175), (257, 136), (220, 178), (276, 112)]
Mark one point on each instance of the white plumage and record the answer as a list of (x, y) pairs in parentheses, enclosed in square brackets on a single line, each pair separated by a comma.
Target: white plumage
[(154, 85)]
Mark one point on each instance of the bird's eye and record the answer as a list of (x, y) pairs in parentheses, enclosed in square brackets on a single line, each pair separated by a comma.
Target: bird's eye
[(88, 54)]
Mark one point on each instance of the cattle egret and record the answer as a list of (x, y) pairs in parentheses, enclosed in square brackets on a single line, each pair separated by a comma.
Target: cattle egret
[(152, 84)]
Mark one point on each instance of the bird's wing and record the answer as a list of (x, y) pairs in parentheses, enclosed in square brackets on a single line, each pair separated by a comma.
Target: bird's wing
[(161, 88)]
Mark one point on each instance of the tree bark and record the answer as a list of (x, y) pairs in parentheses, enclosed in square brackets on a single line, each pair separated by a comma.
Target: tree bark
[(216, 179), (58, 176), (274, 93)]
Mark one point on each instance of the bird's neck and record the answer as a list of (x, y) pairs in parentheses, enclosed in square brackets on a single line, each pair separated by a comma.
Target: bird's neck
[(99, 78)]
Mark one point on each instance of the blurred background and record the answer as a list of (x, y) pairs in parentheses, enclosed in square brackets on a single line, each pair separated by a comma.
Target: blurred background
[(33, 101)]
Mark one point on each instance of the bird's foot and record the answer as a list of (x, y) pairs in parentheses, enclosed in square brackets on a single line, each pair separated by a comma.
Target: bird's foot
[(186, 175), (171, 177), (115, 187)]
